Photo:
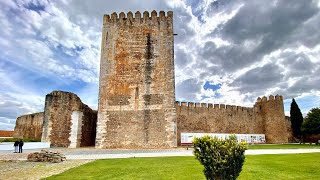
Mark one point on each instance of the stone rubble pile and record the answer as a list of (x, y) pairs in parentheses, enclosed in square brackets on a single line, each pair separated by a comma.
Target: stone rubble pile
[(46, 156)]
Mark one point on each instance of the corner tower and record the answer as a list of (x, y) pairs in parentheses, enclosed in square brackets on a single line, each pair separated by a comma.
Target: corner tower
[(136, 91), (271, 112)]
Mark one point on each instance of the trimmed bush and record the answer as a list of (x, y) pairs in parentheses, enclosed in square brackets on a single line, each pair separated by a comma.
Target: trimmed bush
[(14, 139), (222, 159)]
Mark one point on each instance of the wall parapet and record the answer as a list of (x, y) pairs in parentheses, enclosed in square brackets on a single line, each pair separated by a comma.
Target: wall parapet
[(270, 98), (129, 18), (212, 106)]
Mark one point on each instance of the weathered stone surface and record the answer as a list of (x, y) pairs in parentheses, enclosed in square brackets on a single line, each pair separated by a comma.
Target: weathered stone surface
[(272, 112), (266, 117), (136, 91), (29, 126), (59, 107), (289, 130), (46, 156)]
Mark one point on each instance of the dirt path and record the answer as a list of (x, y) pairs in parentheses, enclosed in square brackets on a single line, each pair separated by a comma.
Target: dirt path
[(35, 170)]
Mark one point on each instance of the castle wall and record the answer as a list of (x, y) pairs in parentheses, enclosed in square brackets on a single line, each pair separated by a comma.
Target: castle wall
[(216, 118), (265, 117), (136, 91), (58, 123), (29, 126)]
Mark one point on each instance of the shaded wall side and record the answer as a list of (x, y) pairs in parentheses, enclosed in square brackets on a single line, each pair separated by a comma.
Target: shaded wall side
[(29, 126), (89, 125), (289, 129), (136, 92)]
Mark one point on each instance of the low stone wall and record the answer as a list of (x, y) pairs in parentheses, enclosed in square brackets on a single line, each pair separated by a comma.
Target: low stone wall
[(46, 156)]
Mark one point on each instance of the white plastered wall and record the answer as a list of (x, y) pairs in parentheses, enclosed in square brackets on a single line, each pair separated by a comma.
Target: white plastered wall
[(76, 127)]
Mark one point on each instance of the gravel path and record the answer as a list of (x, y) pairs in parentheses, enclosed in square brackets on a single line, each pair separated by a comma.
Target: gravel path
[(110, 154), (14, 164), (35, 170)]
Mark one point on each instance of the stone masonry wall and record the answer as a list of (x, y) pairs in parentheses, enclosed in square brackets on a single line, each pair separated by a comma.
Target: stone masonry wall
[(216, 118), (136, 91), (29, 126), (289, 129), (266, 117), (272, 112), (59, 106)]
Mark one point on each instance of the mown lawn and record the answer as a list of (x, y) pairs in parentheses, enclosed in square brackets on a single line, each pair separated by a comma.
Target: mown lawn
[(284, 146), (284, 166)]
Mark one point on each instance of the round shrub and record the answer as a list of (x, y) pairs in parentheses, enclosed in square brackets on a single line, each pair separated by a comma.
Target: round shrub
[(221, 158)]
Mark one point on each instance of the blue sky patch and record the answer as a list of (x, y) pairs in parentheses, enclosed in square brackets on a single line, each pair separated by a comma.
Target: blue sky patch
[(35, 7), (213, 87)]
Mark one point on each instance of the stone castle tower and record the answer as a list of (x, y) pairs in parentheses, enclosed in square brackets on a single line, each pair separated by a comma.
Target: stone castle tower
[(274, 122), (137, 90)]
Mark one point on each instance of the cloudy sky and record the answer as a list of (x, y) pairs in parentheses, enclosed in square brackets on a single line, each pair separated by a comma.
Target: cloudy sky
[(226, 51)]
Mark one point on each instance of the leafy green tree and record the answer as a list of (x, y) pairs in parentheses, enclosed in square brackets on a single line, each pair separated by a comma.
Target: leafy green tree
[(222, 159), (311, 124), (296, 118)]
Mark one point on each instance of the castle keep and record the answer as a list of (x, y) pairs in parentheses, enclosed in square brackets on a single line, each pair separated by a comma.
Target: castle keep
[(137, 107), (136, 92)]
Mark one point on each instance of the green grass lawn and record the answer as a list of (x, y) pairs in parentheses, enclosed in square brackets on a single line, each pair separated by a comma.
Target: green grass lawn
[(284, 166), (284, 146)]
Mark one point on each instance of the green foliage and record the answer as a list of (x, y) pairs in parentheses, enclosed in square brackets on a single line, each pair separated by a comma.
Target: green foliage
[(311, 124), (14, 139), (222, 159), (296, 118)]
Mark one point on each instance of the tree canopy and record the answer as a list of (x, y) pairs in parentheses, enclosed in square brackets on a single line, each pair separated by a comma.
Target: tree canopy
[(311, 124)]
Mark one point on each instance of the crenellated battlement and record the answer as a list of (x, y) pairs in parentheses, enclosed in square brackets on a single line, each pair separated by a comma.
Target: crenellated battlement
[(129, 18), (212, 106), (271, 98)]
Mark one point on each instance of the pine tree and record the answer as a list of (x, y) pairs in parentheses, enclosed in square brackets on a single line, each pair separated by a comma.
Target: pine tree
[(296, 118)]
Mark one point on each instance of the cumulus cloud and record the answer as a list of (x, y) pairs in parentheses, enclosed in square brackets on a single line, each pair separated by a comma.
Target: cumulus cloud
[(256, 48)]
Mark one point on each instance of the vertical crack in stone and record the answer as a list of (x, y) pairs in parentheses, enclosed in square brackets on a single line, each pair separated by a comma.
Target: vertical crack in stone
[(149, 61), (147, 75)]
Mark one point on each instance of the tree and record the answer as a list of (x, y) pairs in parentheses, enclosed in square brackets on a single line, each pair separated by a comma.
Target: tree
[(222, 159), (311, 124), (296, 118)]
